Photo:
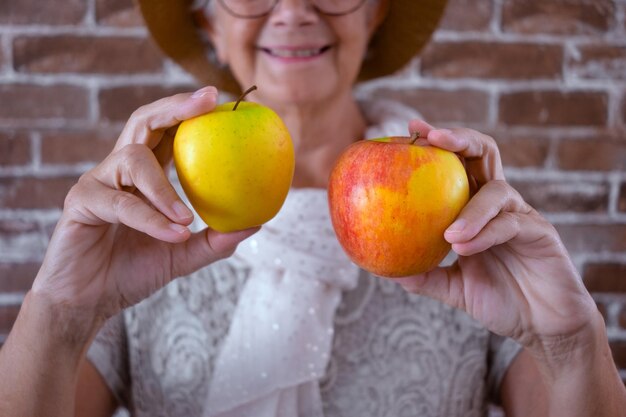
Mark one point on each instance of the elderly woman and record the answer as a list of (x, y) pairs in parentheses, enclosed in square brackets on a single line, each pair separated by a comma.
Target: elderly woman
[(287, 326)]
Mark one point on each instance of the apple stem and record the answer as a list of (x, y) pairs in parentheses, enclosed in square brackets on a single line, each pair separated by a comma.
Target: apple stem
[(414, 137), (241, 97)]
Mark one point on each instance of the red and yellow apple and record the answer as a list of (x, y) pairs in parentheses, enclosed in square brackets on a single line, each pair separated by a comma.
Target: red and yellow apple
[(235, 164), (391, 199)]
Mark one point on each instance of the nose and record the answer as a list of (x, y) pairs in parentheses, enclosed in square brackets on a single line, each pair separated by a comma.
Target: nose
[(294, 13)]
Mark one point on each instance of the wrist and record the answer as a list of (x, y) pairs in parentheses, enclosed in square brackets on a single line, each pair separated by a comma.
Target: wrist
[(61, 324), (562, 355), (41, 358), (580, 374)]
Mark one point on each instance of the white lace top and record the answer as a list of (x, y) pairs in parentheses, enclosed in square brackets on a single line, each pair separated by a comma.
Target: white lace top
[(391, 353)]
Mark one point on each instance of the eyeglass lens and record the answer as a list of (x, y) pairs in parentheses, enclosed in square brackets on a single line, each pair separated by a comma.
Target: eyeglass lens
[(258, 8)]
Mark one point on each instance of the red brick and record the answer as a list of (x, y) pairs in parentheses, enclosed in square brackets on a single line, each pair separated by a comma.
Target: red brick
[(561, 17), (76, 146), (17, 226), (605, 277), (522, 151), (542, 108), (457, 18), (621, 202), (14, 148), (492, 60), (118, 103), (565, 196), (36, 12), (85, 54), (624, 109), (3, 59), (443, 106), (17, 277), (21, 239), (622, 317), (43, 102), (121, 13), (34, 193), (8, 314), (592, 155), (618, 348), (584, 238), (599, 61)]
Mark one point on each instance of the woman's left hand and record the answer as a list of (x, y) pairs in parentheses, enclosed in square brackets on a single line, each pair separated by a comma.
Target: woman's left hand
[(513, 273)]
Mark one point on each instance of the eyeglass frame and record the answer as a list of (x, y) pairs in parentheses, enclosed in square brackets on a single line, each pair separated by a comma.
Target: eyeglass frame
[(256, 16)]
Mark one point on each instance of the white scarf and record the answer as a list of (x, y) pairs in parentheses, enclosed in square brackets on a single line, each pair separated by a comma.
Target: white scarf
[(280, 338), (281, 333)]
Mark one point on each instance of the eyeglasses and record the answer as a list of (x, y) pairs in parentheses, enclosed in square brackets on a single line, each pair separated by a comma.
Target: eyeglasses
[(250, 9)]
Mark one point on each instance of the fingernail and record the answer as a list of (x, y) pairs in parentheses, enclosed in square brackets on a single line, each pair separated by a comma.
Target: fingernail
[(205, 91), (181, 210), (444, 131), (178, 228), (457, 226)]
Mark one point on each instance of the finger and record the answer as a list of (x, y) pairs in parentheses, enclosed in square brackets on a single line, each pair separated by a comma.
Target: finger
[(501, 229), (136, 166), (205, 247), (480, 151), (528, 234), (444, 284), (98, 204), (164, 151), (487, 203), (421, 127), (147, 124)]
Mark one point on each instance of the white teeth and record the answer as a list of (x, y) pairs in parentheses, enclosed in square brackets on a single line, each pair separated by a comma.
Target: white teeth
[(294, 53)]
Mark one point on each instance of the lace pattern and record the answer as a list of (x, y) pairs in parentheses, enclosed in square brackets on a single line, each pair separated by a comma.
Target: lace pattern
[(393, 354)]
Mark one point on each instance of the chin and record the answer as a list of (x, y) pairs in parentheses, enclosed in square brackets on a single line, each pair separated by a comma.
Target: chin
[(300, 94), (295, 86)]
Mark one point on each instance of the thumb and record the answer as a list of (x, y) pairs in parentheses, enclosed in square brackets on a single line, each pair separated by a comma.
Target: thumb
[(206, 247), (417, 125), (443, 283), (226, 243)]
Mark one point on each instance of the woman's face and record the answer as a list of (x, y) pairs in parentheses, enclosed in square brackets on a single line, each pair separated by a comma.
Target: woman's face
[(294, 55)]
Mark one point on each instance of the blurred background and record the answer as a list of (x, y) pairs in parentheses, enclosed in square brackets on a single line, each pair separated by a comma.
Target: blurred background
[(545, 78)]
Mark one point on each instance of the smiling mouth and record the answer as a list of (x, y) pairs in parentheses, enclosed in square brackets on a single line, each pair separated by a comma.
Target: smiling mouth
[(296, 52)]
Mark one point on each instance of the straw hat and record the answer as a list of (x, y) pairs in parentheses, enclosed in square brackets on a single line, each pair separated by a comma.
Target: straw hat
[(406, 29)]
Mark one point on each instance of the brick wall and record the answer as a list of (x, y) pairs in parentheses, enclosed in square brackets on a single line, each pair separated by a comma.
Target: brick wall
[(546, 78)]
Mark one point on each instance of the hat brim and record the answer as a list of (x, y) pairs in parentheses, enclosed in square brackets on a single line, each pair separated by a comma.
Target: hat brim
[(404, 32)]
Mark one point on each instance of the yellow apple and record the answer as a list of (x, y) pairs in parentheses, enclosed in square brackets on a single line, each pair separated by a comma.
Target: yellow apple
[(235, 164), (391, 199)]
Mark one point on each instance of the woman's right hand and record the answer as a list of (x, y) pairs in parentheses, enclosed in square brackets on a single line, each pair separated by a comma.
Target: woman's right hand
[(123, 231)]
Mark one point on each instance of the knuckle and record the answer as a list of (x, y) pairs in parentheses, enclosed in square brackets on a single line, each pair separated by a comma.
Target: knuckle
[(512, 220), (490, 142), (133, 154), (73, 196), (155, 218), (123, 202), (500, 187), (75, 193), (139, 115), (549, 229)]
